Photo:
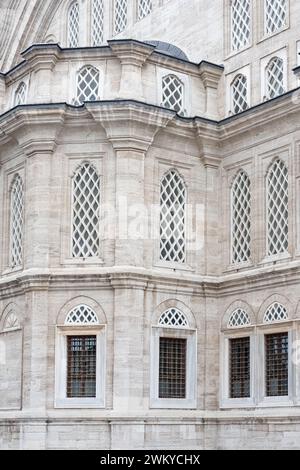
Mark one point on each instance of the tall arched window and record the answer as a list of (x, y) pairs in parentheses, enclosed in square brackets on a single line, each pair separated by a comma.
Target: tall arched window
[(172, 218), (97, 22), (275, 78), (173, 93), (277, 208), (20, 95), (241, 218), (240, 24), (87, 84), (144, 8), (275, 15), (239, 92), (85, 212), (73, 25), (16, 222), (120, 11)]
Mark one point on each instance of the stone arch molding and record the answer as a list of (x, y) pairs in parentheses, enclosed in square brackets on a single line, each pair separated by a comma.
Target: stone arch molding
[(281, 299), (173, 303), (81, 300), (238, 304), (10, 319)]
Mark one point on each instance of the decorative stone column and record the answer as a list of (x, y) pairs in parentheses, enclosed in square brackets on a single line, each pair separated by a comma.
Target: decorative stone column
[(210, 75)]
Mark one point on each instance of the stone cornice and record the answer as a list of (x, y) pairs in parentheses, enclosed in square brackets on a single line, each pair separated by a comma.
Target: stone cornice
[(131, 52), (210, 74)]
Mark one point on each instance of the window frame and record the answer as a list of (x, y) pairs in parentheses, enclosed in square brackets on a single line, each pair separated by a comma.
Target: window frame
[(184, 79), (80, 23), (264, 34), (248, 262), (281, 54), (231, 51)]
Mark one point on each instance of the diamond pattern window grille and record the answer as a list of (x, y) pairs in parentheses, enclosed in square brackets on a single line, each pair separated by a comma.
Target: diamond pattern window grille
[(145, 8), (275, 78), (82, 315), (240, 24), (172, 218), (97, 22), (86, 212), (238, 318), (121, 8), (277, 208), (87, 85), (20, 96), (241, 218), (172, 93), (276, 312), (173, 317), (239, 94), (275, 15), (73, 25), (16, 222)]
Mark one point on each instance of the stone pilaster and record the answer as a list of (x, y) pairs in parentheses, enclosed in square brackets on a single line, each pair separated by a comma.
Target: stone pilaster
[(210, 75)]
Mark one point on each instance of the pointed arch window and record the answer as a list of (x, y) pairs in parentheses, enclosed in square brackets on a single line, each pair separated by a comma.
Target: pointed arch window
[(275, 312), (97, 22), (174, 318), (20, 95), (239, 91), (277, 208), (173, 93), (87, 85), (85, 212), (275, 78), (172, 218), (82, 315), (239, 318), (16, 222), (120, 13), (275, 15), (241, 218), (73, 25), (144, 8), (240, 24)]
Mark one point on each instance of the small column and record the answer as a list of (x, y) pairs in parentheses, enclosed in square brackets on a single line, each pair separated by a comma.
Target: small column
[(210, 75), (2, 93)]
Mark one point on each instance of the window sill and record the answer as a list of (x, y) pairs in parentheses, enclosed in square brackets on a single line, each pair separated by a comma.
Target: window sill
[(265, 37), (161, 403), (9, 271), (228, 403), (232, 54), (174, 266), (274, 259), (239, 267), (83, 262), (75, 403), (275, 402)]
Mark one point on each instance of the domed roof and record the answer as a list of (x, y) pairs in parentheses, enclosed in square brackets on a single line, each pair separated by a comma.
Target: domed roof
[(168, 49)]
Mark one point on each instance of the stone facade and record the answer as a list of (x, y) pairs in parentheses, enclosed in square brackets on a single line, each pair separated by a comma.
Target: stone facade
[(132, 141)]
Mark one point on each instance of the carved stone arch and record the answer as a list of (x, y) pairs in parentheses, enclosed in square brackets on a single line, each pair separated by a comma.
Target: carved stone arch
[(81, 300), (10, 318), (174, 303), (83, 163), (178, 172), (273, 160), (236, 174), (238, 304), (280, 299)]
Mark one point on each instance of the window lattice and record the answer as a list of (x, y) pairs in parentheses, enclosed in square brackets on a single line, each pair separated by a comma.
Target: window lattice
[(277, 208), (86, 212), (275, 15), (73, 25), (97, 22), (277, 364), (241, 218), (238, 318), (240, 24), (172, 218), (239, 94), (172, 93), (145, 8), (87, 85), (275, 78), (82, 315), (173, 317), (81, 366), (16, 222), (121, 7), (172, 367), (239, 367), (276, 312), (20, 96)]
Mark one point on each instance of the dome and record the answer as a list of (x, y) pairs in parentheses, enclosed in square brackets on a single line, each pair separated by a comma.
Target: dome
[(169, 49)]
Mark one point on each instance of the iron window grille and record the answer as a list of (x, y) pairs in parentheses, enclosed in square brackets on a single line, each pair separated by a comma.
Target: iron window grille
[(173, 94), (240, 94), (239, 367), (87, 85), (172, 368), (276, 364), (275, 78), (240, 24), (73, 25), (81, 366), (275, 15), (16, 222), (239, 318), (241, 218)]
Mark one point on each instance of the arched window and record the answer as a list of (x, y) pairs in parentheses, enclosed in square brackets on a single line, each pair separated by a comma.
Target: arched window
[(174, 318), (238, 318), (86, 212), (73, 25), (275, 15), (241, 218), (87, 85), (239, 91), (240, 24), (144, 8), (97, 22), (16, 222), (173, 93), (275, 312), (82, 315), (172, 218), (121, 10), (20, 95), (275, 78), (277, 208)]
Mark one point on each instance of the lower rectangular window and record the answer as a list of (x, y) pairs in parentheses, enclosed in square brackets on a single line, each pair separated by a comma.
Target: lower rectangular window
[(172, 367), (81, 366), (276, 364), (239, 357)]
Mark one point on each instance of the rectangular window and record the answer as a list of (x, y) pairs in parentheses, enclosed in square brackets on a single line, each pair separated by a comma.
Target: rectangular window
[(172, 367), (276, 364), (239, 357), (81, 366)]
